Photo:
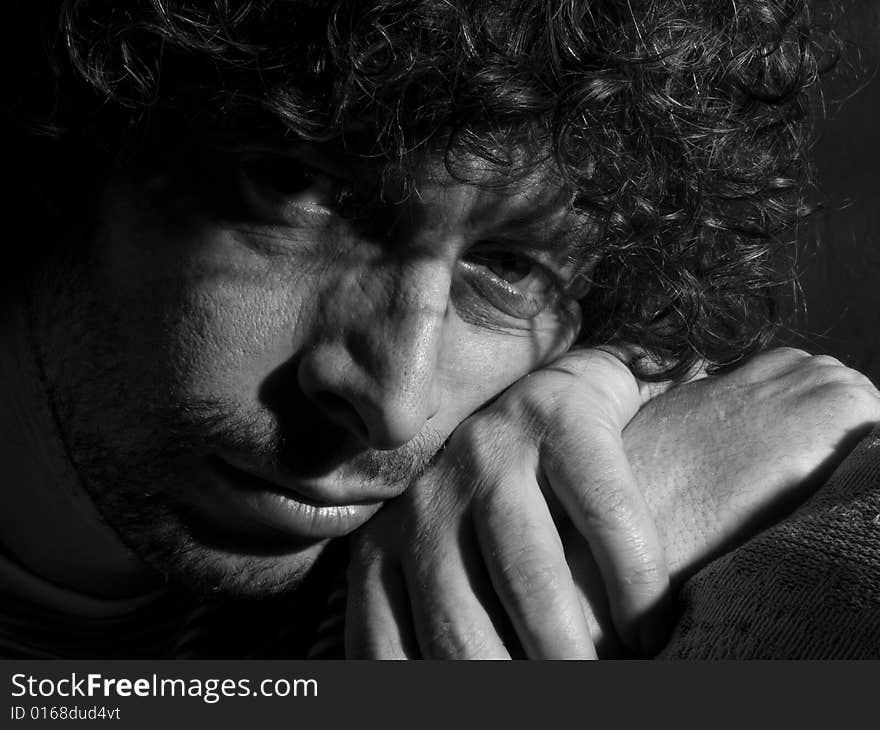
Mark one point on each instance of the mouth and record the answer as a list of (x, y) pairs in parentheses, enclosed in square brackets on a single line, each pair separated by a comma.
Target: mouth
[(244, 504)]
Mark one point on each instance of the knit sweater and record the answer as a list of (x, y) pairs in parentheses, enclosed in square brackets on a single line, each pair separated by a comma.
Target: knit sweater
[(806, 588)]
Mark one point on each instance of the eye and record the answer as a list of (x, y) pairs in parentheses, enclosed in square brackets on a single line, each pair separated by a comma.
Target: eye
[(504, 264), (283, 176), (278, 187), (510, 281)]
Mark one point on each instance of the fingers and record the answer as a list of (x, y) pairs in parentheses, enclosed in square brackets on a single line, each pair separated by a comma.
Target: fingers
[(479, 549), (527, 566), (417, 585), (458, 594), (449, 594), (637, 359), (378, 623), (600, 495), (434, 608), (583, 459), (600, 378)]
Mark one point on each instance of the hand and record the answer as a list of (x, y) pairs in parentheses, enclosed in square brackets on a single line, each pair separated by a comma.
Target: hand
[(716, 459), (468, 563), (721, 458)]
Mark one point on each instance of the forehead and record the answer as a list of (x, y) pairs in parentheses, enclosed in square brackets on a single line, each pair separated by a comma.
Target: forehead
[(521, 200), (517, 199), (525, 207)]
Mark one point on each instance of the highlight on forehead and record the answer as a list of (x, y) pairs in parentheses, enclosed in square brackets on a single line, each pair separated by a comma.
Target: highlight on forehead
[(532, 197), (517, 202), (526, 194)]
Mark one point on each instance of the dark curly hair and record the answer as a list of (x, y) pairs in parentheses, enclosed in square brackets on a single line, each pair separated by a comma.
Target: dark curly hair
[(679, 126)]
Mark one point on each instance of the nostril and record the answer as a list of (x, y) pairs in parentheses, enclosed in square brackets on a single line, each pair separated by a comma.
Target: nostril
[(339, 410)]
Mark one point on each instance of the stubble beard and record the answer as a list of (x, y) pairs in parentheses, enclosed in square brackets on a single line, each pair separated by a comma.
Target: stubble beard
[(136, 445)]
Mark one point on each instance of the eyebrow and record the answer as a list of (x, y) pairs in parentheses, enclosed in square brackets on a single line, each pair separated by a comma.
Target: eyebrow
[(574, 238)]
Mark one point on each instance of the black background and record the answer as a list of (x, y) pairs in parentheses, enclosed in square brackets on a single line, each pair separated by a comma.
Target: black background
[(840, 267)]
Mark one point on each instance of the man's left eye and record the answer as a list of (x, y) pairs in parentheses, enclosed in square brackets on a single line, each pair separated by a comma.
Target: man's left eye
[(510, 281)]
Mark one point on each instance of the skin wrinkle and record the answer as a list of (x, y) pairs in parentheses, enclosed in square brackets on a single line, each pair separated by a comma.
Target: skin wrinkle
[(516, 90), (224, 346), (260, 382)]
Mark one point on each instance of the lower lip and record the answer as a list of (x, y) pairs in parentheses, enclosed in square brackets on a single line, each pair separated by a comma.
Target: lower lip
[(262, 504)]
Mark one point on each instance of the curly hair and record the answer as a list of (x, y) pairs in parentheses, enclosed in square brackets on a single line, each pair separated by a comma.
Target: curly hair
[(680, 127)]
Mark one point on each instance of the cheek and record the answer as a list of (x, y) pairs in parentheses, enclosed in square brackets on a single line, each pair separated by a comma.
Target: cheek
[(478, 364), (204, 317), (227, 336)]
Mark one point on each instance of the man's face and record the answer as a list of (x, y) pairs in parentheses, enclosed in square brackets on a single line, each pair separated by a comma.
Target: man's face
[(241, 380)]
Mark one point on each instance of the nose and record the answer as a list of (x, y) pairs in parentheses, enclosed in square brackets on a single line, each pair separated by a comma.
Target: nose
[(374, 367)]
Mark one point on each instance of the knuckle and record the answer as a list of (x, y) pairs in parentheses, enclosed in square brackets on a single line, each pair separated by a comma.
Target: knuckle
[(769, 365), (826, 374), (365, 553), (633, 544), (647, 571), (777, 362), (783, 357), (490, 508), (827, 361), (485, 445), (533, 403), (790, 354), (827, 370), (476, 436), (613, 508), (450, 639), (467, 432), (528, 576), (855, 400)]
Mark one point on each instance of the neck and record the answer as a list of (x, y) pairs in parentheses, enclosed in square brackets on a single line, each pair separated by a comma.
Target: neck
[(48, 524)]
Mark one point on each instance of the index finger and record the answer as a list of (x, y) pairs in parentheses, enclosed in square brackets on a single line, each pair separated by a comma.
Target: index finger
[(599, 494)]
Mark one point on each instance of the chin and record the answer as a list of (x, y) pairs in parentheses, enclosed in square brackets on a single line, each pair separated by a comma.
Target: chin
[(197, 559), (201, 568)]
